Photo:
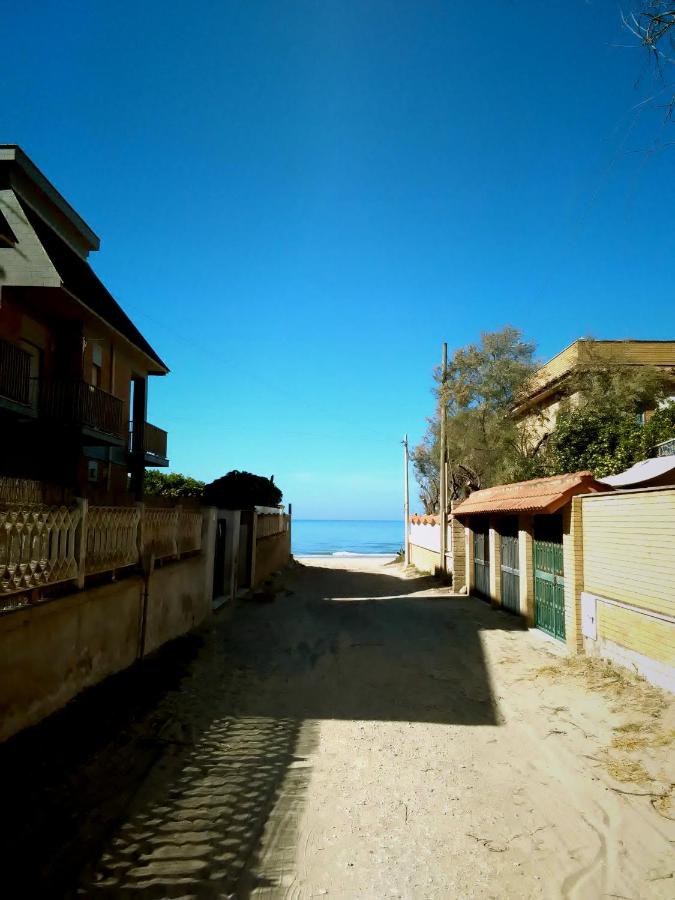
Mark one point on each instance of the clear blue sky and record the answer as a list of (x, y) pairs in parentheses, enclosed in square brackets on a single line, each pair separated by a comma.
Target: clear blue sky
[(299, 201)]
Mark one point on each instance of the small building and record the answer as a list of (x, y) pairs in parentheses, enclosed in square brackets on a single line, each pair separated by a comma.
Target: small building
[(522, 550), (74, 368), (538, 404)]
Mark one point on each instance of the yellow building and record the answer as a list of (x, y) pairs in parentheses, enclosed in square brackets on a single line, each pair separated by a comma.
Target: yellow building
[(539, 403)]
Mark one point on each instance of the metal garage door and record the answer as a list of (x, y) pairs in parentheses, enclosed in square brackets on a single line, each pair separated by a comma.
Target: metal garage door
[(481, 559), (509, 565), (549, 577)]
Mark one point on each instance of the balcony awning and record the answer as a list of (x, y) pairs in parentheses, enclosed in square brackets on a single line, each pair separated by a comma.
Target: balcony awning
[(539, 496)]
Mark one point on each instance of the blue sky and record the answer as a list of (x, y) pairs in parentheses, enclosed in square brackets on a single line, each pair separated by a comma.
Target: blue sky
[(299, 201)]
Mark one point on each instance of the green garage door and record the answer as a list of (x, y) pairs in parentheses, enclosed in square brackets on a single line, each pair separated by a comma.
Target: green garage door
[(481, 559), (549, 577), (509, 565)]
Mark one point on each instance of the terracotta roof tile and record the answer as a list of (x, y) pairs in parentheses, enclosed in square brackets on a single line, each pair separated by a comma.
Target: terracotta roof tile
[(541, 495), (423, 520)]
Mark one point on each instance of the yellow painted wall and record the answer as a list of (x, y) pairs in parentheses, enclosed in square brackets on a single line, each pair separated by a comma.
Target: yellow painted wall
[(425, 560), (629, 548), (638, 632)]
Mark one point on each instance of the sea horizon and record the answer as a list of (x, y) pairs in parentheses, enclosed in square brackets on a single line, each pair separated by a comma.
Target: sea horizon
[(347, 537)]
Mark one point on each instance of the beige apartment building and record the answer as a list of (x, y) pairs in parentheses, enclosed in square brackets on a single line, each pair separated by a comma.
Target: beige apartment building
[(538, 406)]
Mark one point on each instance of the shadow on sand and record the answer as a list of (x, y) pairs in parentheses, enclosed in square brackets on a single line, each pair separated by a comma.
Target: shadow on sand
[(184, 786)]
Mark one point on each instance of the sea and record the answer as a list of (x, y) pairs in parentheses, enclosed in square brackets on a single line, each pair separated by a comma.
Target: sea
[(346, 537)]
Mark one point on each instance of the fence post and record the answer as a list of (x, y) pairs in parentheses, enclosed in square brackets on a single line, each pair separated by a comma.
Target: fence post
[(254, 547), (140, 536), (81, 547), (176, 531)]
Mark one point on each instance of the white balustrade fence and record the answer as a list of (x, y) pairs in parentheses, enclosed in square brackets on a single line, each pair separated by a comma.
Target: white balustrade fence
[(268, 525), (44, 545), (112, 538), (37, 546)]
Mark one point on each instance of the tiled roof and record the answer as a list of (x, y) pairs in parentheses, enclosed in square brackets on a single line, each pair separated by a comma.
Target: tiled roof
[(423, 520), (541, 495)]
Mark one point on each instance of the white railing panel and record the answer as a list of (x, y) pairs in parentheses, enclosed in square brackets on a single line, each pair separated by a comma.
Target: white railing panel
[(37, 546), (268, 525), (189, 527), (112, 541), (160, 532)]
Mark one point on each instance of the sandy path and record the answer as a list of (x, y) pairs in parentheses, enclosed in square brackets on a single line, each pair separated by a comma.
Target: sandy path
[(367, 735)]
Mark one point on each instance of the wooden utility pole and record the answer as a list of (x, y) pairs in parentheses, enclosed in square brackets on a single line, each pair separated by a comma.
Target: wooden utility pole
[(406, 502), (442, 493)]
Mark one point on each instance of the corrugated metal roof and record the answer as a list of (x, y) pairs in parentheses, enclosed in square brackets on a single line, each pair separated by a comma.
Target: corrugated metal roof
[(643, 472), (540, 495)]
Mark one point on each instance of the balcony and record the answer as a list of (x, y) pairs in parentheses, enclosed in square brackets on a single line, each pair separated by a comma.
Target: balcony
[(155, 445), (74, 402), (667, 448), (15, 380)]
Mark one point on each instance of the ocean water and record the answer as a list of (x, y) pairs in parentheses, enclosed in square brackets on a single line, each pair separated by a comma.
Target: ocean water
[(346, 537)]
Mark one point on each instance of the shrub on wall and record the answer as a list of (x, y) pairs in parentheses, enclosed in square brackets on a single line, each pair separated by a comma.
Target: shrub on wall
[(242, 490), (171, 484)]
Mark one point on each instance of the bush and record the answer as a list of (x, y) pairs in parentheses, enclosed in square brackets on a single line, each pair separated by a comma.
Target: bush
[(171, 484), (242, 490)]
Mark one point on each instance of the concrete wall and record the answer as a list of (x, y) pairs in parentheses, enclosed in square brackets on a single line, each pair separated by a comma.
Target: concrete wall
[(424, 559), (178, 601), (53, 650), (425, 547), (271, 554)]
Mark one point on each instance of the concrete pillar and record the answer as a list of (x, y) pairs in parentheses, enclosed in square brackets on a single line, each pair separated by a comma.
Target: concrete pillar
[(233, 520), (526, 567), (468, 559), (209, 521), (573, 562), (458, 546), (495, 540)]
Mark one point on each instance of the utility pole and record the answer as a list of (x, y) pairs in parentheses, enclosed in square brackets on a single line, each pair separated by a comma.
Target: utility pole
[(406, 501), (442, 498)]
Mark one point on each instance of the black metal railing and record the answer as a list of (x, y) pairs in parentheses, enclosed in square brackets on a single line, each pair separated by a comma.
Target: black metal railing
[(74, 402), (155, 440), (667, 448), (14, 373)]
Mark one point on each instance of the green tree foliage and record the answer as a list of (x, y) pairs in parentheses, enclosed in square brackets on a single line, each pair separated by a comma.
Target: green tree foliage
[(171, 484), (242, 490), (484, 446)]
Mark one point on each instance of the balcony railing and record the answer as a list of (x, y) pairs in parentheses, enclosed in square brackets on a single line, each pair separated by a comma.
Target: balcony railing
[(74, 402), (667, 448), (14, 373), (155, 440)]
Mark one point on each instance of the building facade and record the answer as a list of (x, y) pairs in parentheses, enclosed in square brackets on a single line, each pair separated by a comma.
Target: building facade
[(74, 368), (539, 403)]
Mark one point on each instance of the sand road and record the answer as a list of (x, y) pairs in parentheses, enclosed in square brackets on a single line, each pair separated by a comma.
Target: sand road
[(367, 735)]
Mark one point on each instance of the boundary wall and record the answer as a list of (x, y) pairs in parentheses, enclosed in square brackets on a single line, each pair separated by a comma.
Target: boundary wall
[(53, 648)]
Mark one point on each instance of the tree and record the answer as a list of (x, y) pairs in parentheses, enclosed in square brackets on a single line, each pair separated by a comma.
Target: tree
[(653, 24), (242, 490), (171, 484), (484, 445)]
